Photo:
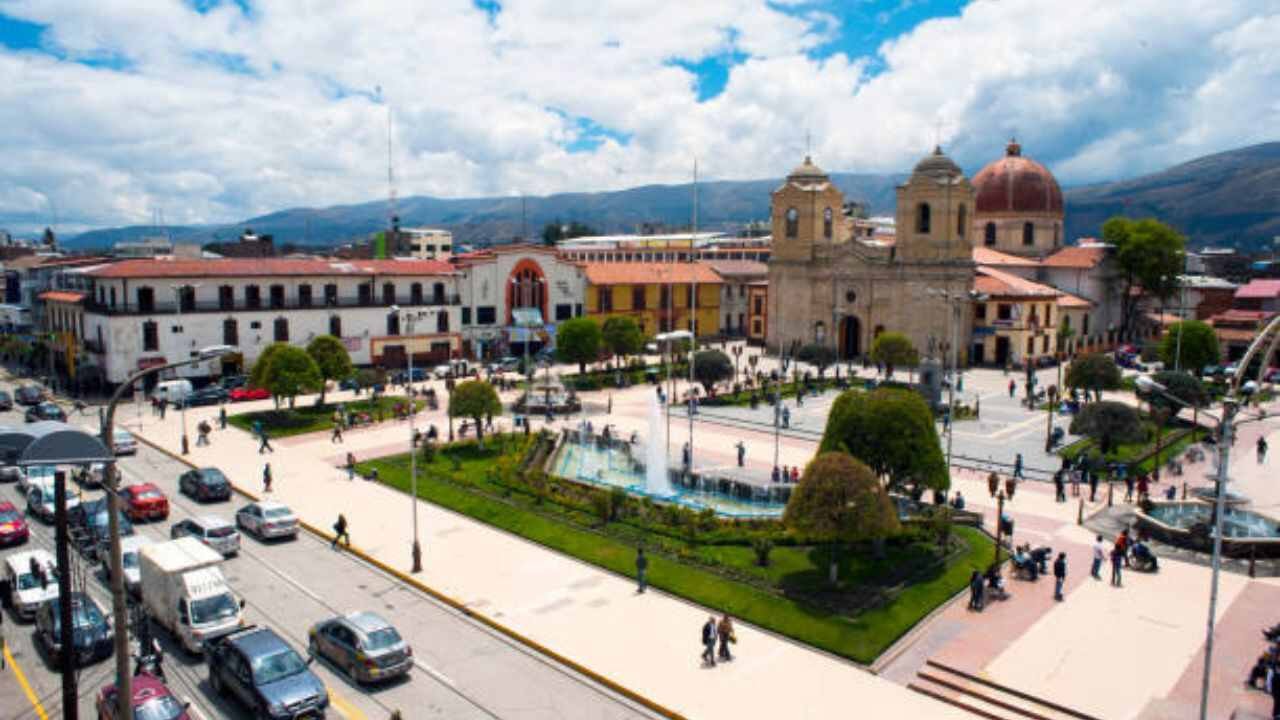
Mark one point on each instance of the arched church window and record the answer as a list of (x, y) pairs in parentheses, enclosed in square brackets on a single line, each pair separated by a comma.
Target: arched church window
[(922, 218), (793, 222), (989, 234), (962, 220), (826, 223), (1028, 234)]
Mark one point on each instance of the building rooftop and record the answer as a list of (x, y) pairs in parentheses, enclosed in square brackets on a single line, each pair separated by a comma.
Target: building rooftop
[(650, 273), (1077, 256), (267, 267), (66, 296), (998, 283), (739, 268), (1260, 290), (987, 256)]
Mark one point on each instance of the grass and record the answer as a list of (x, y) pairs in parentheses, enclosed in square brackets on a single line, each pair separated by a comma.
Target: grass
[(713, 567), (285, 422), (1141, 455)]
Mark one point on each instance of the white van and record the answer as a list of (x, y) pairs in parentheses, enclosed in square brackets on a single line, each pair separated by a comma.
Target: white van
[(172, 391), (26, 591)]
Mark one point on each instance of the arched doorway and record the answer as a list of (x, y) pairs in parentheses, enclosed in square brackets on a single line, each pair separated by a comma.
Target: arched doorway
[(850, 338)]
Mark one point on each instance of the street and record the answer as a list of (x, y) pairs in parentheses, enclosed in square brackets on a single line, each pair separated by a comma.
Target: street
[(462, 669)]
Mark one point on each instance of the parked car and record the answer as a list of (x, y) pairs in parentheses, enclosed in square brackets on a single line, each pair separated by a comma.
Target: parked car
[(144, 501), (241, 394), (441, 372), (267, 519), (27, 590), (129, 548), (29, 395), (260, 670), (212, 531), (124, 441), (13, 473), (152, 700), (211, 395), (32, 473), (90, 527), (419, 374), (6, 400), (231, 382), (205, 484), (40, 499), (174, 392), (363, 644), (90, 631), (13, 528), (46, 411), (349, 384), (90, 476)]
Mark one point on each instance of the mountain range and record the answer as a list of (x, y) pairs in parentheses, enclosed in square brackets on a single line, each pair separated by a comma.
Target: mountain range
[(1227, 199)]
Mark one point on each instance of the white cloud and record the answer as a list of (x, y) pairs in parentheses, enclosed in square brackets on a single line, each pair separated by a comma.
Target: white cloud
[(218, 116)]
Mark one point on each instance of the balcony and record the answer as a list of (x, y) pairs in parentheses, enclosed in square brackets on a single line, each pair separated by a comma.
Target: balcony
[(215, 306)]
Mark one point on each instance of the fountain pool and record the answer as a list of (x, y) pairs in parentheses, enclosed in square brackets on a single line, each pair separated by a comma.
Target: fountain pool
[(1188, 524)]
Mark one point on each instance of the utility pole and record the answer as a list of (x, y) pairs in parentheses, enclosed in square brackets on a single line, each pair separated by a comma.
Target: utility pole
[(693, 310), (67, 658)]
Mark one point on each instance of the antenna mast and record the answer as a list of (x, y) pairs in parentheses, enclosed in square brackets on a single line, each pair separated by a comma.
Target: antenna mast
[(391, 176)]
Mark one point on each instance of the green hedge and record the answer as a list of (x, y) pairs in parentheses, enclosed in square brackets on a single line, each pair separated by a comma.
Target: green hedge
[(285, 422)]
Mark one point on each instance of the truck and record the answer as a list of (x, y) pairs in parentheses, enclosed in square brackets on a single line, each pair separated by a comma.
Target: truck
[(183, 589)]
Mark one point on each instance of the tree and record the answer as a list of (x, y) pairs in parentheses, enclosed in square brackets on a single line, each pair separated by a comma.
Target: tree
[(820, 356), (893, 349), (1150, 256), (290, 372), (622, 336), (1197, 348), (554, 232), (258, 374), (1181, 385), (839, 501), (475, 399), (332, 358), (1095, 371), (892, 431), (578, 341), (711, 367), (1109, 424)]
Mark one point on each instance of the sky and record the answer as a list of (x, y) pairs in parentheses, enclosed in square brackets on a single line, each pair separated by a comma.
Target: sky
[(116, 112)]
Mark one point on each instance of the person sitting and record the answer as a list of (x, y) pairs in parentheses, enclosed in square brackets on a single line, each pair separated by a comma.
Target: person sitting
[(1023, 563), (957, 502), (1144, 558), (1040, 556), (995, 584), (1170, 493)]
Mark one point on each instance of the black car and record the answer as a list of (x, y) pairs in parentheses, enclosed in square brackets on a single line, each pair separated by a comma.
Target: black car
[(231, 382), (46, 411), (211, 395), (90, 630), (205, 484), (90, 529), (257, 667), (29, 395), (6, 401)]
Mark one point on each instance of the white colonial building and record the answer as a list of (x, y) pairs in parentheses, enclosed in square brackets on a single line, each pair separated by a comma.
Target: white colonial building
[(495, 282)]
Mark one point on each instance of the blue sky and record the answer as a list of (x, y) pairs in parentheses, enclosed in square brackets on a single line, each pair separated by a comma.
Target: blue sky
[(215, 110)]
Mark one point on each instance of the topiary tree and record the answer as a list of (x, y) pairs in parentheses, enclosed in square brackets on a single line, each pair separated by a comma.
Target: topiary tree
[(578, 341), (892, 431), (1197, 349), (475, 399), (290, 372), (1181, 385), (332, 358), (893, 349), (622, 336), (820, 356), (1095, 371), (1109, 424), (839, 501), (711, 367), (258, 373)]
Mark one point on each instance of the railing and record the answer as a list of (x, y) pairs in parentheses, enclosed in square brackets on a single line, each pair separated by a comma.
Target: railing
[(216, 306)]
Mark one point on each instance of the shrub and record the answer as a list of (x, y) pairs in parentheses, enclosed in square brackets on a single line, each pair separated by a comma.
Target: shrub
[(762, 546)]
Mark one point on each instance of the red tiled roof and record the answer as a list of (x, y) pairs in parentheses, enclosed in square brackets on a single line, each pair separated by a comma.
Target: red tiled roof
[(987, 256), (1241, 316), (737, 268), (1076, 257), (629, 273), (62, 296), (1068, 300), (998, 283), (267, 267), (1260, 289)]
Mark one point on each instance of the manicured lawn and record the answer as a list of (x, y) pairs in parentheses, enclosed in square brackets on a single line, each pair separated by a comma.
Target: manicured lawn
[(789, 596), (1172, 446), (312, 418)]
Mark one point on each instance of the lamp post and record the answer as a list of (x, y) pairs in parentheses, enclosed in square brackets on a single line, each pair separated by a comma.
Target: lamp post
[(111, 479), (999, 523), (410, 321), (177, 296), (954, 300)]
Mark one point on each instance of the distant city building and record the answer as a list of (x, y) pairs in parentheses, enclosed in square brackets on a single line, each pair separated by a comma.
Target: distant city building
[(141, 248), (425, 243), (671, 247)]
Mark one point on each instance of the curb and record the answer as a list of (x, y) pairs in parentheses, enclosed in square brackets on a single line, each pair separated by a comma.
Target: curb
[(459, 606)]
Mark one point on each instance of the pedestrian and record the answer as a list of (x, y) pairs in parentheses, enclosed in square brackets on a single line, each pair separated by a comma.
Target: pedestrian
[(642, 564), (1117, 560), (222, 418), (266, 478), (340, 532), (1262, 450), (202, 432), (264, 442), (1017, 466), (1060, 486), (609, 407), (774, 475), (709, 642), (1013, 386), (724, 631), (1099, 553), (684, 454), (336, 437), (742, 453), (795, 473), (1075, 483), (1059, 575), (1093, 485), (1128, 488), (162, 405), (975, 591), (1143, 487), (786, 417)]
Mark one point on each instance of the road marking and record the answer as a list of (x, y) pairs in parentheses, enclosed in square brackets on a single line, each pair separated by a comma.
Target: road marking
[(345, 708), (433, 672), (26, 687)]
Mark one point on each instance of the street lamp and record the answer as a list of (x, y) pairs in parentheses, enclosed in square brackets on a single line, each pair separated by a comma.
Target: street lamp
[(177, 309), (410, 320), (111, 479), (955, 300)]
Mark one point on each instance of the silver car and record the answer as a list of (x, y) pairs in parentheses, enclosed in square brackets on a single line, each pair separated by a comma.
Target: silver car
[(267, 519), (363, 645), (212, 531)]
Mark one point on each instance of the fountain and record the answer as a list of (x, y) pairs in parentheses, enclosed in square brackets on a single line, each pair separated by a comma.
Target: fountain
[(657, 479)]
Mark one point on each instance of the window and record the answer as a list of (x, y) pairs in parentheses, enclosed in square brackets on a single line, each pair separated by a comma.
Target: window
[(793, 222), (282, 330), (255, 325), (728, 322), (186, 298), (252, 296), (335, 326), (101, 295), (564, 311), (331, 295), (989, 234), (1044, 344), (486, 315), (980, 311), (741, 322), (466, 316), (230, 332), (364, 293), (604, 299), (1004, 312), (1085, 329), (304, 295), (150, 336), (923, 218), (664, 299), (437, 294), (1031, 346), (415, 294), (393, 323), (112, 294), (277, 296), (577, 309), (442, 322), (1028, 234), (388, 293), (742, 291), (826, 223), (226, 297), (146, 300), (759, 305), (1048, 314), (962, 219), (637, 297)]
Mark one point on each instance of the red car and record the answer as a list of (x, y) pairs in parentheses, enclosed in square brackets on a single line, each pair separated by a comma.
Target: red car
[(248, 393), (152, 699), (144, 501), (13, 529)]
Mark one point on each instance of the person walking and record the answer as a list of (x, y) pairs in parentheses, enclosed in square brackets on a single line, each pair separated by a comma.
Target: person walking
[(742, 453), (1144, 487), (336, 437), (1013, 386), (1128, 488), (162, 405), (975, 591), (786, 417), (642, 564), (684, 457), (202, 432), (1060, 486), (795, 474), (1017, 466), (775, 475), (709, 642), (1262, 450), (1093, 484), (1117, 561), (340, 532), (1099, 554), (724, 631), (351, 466), (266, 478), (1059, 575), (222, 418)]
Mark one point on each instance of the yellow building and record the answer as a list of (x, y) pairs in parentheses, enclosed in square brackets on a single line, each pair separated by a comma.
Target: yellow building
[(656, 295), (1020, 320)]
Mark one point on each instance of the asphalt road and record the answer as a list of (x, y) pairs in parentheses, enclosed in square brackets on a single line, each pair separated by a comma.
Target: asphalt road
[(462, 669)]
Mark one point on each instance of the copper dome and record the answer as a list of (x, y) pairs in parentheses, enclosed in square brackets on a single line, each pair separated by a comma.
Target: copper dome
[(1016, 184)]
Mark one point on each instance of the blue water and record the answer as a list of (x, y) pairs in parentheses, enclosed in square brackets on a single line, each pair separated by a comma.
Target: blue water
[(1236, 523)]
